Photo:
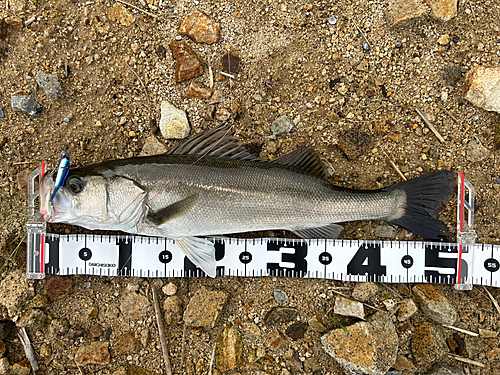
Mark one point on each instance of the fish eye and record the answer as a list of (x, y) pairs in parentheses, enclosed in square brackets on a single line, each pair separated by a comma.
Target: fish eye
[(75, 184)]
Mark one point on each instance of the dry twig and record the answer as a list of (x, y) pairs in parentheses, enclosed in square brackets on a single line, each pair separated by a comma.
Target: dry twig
[(145, 89), (28, 349), (212, 360), (470, 333), (428, 123), (395, 166), (210, 78), (466, 360), (449, 114), (493, 300), (227, 75), (161, 332), (139, 9)]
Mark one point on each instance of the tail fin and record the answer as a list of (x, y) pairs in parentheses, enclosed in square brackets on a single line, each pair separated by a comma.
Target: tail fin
[(425, 197)]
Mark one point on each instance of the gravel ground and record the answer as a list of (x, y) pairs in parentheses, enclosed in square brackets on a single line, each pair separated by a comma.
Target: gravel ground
[(294, 62)]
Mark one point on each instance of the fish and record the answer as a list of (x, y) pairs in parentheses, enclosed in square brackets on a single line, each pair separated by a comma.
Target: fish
[(212, 185)]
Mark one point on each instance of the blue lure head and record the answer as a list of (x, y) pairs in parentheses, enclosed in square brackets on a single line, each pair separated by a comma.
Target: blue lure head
[(62, 173)]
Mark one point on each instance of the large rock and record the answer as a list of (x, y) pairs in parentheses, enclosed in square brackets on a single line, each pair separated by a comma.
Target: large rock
[(443, 10), (428, 343), (482, 87), (199, 27), (401, 12), (188, 64), (229, 350), (434, 304), (203, 310), (173, 122), (366, 348)]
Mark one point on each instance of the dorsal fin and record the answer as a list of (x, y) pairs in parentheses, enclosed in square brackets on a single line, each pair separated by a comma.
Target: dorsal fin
[(216, 142), (303, 160)]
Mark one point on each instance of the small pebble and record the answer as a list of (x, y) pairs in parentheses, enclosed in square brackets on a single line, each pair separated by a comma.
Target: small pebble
[(170, 289), (332, 20), (366, 47), (398, 45), (475, 117), (280, 296), (1, 113), (68, 118), (456, 39)]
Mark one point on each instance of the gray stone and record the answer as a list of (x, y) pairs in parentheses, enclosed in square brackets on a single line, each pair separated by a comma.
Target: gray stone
[(407, 309), (204, 309), (364, 291), (428, 343), (482, 87), (434, 304), (152, 146), (173, 122), (282, 125), (385, 231), (280, 296), (442, 368), (1, 113), (49, 83), (25, 104), (476, 151), (366, 348)]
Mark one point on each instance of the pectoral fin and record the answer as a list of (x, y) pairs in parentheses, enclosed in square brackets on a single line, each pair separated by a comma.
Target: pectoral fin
[(174, 210), (328, 231), (199, 251)]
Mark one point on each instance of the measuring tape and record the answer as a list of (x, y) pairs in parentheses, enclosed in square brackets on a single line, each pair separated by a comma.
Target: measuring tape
[(463, 264)]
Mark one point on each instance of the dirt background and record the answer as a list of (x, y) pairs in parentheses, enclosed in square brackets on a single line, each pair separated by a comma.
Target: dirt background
[(294, 62)]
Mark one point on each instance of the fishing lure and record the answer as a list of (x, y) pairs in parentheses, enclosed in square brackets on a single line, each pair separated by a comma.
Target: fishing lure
[(62, 173)]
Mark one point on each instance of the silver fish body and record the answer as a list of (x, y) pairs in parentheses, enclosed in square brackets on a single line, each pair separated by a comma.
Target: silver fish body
[(183, 196)]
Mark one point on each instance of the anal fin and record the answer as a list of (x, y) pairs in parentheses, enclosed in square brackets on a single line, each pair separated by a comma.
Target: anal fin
[(331, 231), (201, 252)]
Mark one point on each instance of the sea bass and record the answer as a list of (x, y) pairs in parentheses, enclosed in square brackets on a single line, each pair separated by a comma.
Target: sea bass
[(211, 185)]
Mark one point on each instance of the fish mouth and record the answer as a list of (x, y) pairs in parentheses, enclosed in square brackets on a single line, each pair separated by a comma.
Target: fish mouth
[(51, 210)]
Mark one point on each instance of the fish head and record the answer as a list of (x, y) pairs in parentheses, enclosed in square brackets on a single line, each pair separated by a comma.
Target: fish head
[(93, 201)]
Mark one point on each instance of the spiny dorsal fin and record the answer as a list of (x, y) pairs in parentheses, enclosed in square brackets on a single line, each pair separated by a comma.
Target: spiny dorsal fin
[(303, 160), (216, 142)]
